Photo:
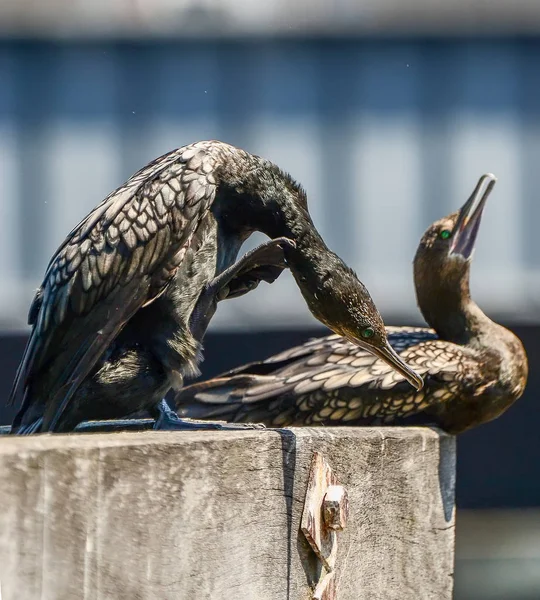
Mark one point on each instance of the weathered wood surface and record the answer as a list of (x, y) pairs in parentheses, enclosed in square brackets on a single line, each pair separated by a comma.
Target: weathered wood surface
[(197, 515)]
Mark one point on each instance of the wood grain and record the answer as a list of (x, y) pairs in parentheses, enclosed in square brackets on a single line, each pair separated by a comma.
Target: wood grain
[(216, 515)]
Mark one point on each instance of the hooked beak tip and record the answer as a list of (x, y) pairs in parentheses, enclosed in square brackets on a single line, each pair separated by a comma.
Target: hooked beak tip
[(392, 358), (388, 354), (417, 382)]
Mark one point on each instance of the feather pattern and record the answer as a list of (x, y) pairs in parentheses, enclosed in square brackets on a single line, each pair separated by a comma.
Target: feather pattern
[(330, 381)]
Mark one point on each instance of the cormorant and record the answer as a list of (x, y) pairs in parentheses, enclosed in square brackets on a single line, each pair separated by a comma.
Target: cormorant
[(473, 368), (113, 323)]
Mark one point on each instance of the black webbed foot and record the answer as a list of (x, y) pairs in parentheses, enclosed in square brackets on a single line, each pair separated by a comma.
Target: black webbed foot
[(168, 420), (114, 425)]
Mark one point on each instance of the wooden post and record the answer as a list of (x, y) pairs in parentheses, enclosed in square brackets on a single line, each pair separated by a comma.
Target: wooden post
[(217, 515)]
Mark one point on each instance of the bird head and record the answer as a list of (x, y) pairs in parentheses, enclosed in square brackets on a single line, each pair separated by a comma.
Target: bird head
[(447, 247), (337, 298)]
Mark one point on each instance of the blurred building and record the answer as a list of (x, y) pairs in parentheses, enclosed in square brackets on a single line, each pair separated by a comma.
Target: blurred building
[(386, 134), (386, 112)]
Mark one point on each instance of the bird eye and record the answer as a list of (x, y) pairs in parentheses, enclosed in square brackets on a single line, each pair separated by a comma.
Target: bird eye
[(445, 234), (367, 333)]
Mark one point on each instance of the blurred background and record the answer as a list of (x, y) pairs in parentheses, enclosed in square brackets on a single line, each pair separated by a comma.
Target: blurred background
[(386, 112)]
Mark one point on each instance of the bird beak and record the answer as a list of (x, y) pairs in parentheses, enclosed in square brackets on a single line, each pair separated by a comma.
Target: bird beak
[(392, 358), (468, 223)]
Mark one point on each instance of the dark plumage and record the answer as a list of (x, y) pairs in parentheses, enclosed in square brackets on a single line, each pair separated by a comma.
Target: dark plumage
[(117, 320), (473, 369)]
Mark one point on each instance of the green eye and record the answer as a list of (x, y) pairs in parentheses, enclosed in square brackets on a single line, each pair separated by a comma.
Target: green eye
[(445, 234), (367, 333)]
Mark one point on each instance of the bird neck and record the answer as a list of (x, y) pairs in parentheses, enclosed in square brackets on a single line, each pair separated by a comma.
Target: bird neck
[(258, 196), (310, 252), (445, 302), (310, 260)]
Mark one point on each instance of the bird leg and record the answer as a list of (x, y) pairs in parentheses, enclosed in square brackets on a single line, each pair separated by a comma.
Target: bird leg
[(263, 263), (168, 420)]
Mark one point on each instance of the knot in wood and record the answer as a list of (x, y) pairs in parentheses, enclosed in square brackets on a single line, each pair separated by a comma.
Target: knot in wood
[(336, 507)]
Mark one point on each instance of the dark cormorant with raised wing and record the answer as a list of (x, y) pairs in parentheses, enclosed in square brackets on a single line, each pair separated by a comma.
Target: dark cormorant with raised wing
[(116, 323), (473, 368)]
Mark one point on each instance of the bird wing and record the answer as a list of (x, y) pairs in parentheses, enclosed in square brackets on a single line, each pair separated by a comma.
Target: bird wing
[(331, 380), (118, 259)]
